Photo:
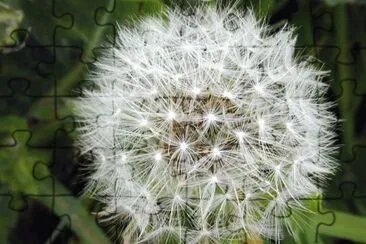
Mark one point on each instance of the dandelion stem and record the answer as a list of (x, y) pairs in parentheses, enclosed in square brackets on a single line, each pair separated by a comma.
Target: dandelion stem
[(344, 74)]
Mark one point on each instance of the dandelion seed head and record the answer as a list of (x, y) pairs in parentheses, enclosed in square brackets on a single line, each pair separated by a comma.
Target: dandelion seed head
[(194, 118)]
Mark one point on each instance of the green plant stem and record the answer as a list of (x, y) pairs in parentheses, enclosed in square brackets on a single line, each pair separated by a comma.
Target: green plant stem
[(60, 226), (345, 72), (82, 224), (303, 20)]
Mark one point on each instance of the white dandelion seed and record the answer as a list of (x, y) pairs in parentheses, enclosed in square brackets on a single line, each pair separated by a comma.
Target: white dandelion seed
[(204, 126)]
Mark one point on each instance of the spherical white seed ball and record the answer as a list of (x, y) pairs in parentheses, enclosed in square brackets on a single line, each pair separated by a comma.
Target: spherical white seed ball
[(206, 127)]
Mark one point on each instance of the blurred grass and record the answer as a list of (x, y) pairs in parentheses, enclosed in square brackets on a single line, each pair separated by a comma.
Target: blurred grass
[(35, 78)]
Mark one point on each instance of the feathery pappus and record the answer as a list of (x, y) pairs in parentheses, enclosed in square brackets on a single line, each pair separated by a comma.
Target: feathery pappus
[(206, 127)]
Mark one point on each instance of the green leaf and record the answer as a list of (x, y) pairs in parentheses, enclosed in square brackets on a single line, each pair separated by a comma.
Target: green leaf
[(18, 161), (11, 123), (345, 226)]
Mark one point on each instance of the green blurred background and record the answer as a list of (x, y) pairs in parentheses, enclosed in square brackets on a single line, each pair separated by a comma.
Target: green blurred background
[(46, 50)]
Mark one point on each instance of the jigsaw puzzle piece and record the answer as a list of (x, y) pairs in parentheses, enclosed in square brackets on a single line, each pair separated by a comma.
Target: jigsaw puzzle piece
[(350, 103), (78, 219), (95, 41), (66, 168), (348, 182), (335, 224), (39, 210), (40, 26), (12, 71), (73, 45), (85, 24), (324, 220), (18, 175), (8, 218), (332, 27), (42, 45), (43, 117)]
